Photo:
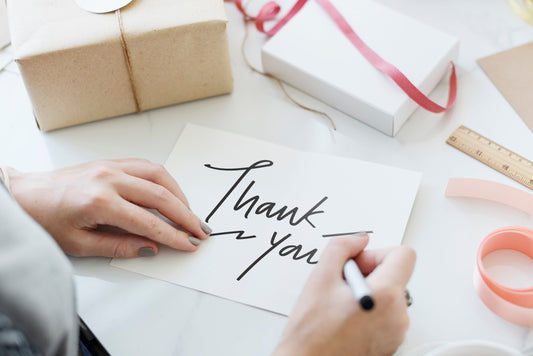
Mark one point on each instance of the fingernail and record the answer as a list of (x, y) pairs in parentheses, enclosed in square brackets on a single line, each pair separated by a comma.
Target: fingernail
[(205, 228), (362, 233), (146, 252), (194, 240)]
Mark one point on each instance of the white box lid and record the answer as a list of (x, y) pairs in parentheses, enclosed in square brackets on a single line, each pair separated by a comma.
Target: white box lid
[(313, 43)]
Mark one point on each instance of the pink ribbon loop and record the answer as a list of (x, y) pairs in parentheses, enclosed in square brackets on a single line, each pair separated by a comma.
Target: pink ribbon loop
[(271, 9), (268, 12)]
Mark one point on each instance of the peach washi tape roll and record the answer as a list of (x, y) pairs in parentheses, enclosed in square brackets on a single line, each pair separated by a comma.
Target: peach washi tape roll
[(512, 304), (486, 189)]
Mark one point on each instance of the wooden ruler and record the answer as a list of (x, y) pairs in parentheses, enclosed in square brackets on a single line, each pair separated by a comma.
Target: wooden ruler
[(493, 155)]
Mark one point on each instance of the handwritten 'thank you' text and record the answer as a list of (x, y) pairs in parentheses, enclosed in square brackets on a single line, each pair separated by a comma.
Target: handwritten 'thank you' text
[(240, 197)]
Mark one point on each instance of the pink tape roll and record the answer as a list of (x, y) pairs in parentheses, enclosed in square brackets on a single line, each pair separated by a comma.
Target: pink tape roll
[(513, 304)]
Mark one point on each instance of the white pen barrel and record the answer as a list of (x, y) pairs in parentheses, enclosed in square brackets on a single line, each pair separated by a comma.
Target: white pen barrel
[(357, 283)]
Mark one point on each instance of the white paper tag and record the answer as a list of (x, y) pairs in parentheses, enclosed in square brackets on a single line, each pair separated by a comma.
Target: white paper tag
[(102, 6)]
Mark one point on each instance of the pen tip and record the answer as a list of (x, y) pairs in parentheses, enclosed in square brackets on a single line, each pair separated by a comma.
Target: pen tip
[(367, 302)]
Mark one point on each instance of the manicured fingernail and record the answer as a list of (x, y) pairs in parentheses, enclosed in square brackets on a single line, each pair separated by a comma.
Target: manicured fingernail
[(205, 228), (194, 240), (362, 233), (146, 252)]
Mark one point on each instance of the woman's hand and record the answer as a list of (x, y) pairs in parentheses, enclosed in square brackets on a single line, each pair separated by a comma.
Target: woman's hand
[(328, 320), (76, 205)]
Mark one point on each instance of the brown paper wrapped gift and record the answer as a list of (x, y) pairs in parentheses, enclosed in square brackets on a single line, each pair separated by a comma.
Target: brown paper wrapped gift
[(79, 66)]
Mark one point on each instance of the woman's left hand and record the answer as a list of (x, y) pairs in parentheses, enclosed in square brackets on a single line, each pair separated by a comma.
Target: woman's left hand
[(74, 203)]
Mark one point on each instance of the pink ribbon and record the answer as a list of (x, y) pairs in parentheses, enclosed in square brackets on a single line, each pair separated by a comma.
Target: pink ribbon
[(271, 9), (268, 12)]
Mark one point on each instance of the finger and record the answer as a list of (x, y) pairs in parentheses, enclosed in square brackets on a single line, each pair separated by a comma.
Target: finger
[(154, 196), (395, 267), (138, 221), (339, 250), (152, 172), (368, 260), (124, 245)]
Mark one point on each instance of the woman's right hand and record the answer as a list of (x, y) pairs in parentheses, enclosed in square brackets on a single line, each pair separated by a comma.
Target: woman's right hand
[(328, 320)]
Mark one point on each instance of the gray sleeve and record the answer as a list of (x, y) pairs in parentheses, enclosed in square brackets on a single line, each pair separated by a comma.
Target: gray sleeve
[(37, 290), (13, 342)]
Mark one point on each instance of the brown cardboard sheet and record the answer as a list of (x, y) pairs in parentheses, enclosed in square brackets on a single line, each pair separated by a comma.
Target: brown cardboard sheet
[(511, 72)]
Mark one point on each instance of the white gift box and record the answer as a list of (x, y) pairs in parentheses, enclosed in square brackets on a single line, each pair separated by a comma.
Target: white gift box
[(4, 32), (312, 54)]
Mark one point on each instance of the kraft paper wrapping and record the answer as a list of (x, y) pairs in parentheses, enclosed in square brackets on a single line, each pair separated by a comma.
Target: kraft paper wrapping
[(511, 73), (75, 71)]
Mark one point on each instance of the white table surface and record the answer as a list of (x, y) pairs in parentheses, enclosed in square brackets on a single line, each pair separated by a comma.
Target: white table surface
[(136, 315)]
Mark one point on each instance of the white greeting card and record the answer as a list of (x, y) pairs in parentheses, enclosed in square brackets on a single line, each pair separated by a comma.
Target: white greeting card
[(272, 210)]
